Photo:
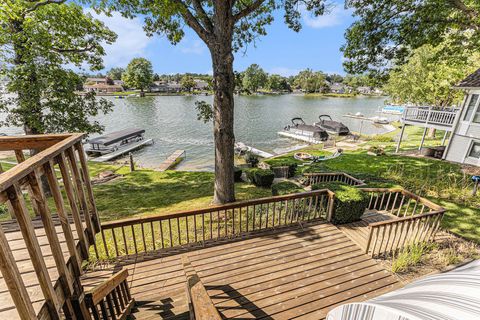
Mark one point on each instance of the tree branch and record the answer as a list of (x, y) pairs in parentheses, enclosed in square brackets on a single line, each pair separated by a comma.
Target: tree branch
[(44, 3), (248, 9), (203, 15), (460, 5), (63, 50), (192, 21)]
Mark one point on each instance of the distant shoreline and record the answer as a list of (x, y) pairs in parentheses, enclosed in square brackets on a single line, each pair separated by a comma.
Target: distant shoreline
[(169, 94)]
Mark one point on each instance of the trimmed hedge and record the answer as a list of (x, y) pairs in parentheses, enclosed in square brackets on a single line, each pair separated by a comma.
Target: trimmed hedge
[(237, 174), (350, 202), (261, 177), (285, 187)]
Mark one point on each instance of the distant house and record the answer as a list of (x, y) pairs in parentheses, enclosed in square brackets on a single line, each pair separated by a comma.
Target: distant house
[(166, 87), (102, 85), (201, 85), (338, 88), (118, 82), (364, 90)]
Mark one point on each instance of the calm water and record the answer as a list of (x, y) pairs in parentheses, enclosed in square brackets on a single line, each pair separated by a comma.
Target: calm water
[(172, 122)]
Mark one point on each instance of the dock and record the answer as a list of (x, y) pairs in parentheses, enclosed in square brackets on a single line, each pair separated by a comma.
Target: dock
[(299, 137), (122, 151), (172, 160)]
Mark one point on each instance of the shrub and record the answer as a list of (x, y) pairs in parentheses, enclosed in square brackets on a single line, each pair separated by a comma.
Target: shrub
[(285, 187), (251, 159), (261, 177), (379, 151), (237, 174), (350, 202), (291, 163)]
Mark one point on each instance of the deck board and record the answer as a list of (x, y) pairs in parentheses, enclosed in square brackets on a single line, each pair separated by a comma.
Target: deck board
[(283, 274)]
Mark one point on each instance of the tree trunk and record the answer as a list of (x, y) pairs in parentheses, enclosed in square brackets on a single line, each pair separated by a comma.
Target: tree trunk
[(142, 93), (431, 132), (223, 106)]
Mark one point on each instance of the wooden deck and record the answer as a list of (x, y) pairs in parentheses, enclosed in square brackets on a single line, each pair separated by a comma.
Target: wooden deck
[(296, 272), (358, 231), (171, 160)]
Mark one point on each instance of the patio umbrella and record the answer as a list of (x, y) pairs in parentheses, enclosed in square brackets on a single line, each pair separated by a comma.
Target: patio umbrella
[(453, 295)]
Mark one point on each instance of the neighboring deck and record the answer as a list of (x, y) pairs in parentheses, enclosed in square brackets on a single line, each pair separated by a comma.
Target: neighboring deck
[(296, 272)]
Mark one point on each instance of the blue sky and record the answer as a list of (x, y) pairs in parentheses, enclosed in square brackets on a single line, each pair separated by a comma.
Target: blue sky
[(282, 51)]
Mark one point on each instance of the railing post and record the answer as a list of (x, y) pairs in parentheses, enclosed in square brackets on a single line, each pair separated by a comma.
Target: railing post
[(369, 241), (331, 207), (88, 183)]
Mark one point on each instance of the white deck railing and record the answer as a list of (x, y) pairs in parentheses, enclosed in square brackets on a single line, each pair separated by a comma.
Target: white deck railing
[(431, 115)]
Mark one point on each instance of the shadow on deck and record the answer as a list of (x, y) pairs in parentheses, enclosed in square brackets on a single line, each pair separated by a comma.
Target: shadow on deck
[(295, 272)]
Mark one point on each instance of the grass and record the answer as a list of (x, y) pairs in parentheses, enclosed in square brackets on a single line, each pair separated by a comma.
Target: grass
[(408, 257), (148, 192)]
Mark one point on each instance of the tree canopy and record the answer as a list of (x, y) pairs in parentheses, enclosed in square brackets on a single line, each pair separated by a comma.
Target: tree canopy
[(254, 78), (187, 82), (37, 40), (138, 74), (310, 81), (386, 31), (427, 80), (115, 73)]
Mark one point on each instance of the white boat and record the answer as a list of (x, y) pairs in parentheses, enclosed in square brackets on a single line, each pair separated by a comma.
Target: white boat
[(380, 120), (242, 148)]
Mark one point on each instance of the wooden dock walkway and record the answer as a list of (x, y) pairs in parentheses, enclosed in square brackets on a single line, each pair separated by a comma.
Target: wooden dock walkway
[(172, 160), (122, 151)]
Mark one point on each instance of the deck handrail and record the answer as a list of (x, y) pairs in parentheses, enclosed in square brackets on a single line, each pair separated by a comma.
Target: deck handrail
[(312, 178), (25, 189), (431, 115), (417, 220), (111, 299), (194, 227), (199, 302)]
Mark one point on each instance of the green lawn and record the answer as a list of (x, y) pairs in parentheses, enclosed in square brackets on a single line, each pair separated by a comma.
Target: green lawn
[(147, 192)]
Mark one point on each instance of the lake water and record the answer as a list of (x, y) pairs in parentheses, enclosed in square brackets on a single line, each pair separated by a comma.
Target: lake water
[(172, 122)]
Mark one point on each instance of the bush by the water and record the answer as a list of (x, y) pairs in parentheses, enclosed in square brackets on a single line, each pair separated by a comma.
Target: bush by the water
[(285, 187), (261, 177), (350, 202), (237, 174)]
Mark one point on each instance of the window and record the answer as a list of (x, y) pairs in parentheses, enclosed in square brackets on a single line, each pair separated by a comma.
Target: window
[(475, 150), (471, 107), (476, 117)]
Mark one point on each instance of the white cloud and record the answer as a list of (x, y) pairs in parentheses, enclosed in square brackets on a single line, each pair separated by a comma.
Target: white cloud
[(131, 42), (334, 16), (285, 72), (192, 47)]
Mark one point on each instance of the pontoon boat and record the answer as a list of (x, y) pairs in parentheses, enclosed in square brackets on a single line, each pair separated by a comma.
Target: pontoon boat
[(334, 127), (114, 141), (301, 129)]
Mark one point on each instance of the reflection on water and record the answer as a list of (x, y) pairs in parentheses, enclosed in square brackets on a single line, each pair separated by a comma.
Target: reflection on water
[(172, 122)]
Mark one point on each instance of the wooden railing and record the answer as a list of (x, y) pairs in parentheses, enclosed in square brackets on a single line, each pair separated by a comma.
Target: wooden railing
[(24, 190), (187, 228), (111, 299), (430, 115), (416, 220), (199, 303), (312, 178)]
